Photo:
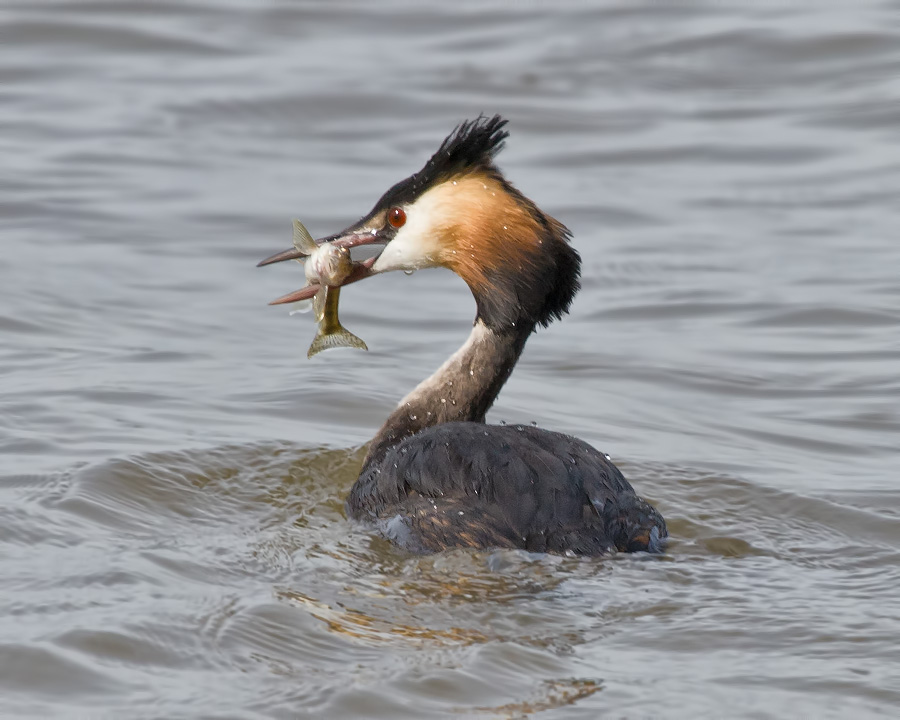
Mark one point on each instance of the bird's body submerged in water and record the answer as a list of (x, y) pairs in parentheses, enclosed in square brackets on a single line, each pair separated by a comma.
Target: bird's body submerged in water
[(436, 476)]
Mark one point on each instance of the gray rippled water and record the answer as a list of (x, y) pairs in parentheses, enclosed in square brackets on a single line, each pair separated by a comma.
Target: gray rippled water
[(172, 535)]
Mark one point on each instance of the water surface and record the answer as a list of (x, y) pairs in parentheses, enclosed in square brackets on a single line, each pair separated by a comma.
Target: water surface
[(172, 535)]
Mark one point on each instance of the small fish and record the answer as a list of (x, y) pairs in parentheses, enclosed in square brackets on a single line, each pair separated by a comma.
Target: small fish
[(327, 266)]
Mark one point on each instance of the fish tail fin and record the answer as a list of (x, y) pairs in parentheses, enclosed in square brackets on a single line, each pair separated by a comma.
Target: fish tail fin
[(342, 337), (303, 241)]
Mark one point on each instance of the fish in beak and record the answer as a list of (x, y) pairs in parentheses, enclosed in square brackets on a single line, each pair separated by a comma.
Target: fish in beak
[(304, 247), (327, 267)]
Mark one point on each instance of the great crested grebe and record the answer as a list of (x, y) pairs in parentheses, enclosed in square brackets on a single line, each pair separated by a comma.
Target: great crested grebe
[(435, 475)]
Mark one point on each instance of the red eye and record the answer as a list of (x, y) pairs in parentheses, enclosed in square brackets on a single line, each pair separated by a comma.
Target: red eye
[(396, 217)]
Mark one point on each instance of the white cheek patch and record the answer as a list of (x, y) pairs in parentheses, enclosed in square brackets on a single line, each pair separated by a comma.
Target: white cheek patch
[(417, 244), (407, 252)]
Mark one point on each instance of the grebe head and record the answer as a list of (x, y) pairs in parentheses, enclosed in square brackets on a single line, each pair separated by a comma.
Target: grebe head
[(459, 212)]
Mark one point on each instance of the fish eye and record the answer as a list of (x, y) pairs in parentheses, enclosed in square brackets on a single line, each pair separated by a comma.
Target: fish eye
[(396, 217)]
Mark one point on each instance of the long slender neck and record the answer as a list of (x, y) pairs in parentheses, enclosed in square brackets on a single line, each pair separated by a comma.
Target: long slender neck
[(463, 388)]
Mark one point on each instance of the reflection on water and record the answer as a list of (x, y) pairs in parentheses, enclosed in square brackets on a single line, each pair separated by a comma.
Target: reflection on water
[(172, 534)]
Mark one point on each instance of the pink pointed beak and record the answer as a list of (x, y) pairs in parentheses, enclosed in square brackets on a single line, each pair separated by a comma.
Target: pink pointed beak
[(362, 270), (350, 240)]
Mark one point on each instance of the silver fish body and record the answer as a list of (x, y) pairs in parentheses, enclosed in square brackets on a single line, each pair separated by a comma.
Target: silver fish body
[(327, 266)]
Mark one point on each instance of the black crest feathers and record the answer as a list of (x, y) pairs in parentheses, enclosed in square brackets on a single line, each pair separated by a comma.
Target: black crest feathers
[(471, 146)]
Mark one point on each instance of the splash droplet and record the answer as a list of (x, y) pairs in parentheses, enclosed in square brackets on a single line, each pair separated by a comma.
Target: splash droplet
[(302, 307)]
